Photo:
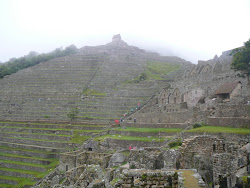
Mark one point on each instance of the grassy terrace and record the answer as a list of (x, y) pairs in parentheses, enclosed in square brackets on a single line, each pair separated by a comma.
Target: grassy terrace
[(28, 150), (75, 140), (51, 129), (189, 180), (21, 182), (150, 130), (27, 157), (19, 157), (50, 167), (133, 138), (156, 69), (215, 129), (52, 124)]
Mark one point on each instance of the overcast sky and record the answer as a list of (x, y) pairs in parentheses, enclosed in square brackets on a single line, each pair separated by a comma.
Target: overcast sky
[(190, 29)]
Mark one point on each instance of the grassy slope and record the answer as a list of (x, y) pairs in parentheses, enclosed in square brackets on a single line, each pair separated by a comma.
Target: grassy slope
[(150, 130), (214, 129)]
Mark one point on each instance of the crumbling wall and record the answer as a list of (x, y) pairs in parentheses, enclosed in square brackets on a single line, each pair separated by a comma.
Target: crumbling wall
[(73, 159), (143, 178)]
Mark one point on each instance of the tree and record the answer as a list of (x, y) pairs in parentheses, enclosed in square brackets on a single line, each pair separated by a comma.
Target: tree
[(73, 114), (241, 60)]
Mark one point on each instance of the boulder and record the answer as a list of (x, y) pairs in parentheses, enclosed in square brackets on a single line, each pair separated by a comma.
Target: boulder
[(116, 160)]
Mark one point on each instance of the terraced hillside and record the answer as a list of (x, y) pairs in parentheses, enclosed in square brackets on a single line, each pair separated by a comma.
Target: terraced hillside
[(102, 82), (29, 151)]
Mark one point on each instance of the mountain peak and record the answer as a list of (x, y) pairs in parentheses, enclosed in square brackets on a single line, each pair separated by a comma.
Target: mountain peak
[(117, 41)]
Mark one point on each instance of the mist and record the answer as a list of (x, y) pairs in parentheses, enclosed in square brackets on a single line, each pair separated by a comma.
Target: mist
[(193, 30)]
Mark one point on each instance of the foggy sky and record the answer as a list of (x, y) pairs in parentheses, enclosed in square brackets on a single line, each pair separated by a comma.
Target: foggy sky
[(193, 30)]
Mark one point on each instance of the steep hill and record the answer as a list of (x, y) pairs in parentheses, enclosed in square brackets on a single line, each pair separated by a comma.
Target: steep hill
[(102, 82)]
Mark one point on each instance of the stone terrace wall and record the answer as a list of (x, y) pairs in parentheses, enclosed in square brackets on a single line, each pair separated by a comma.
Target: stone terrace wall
[(155, 125), (48, 91), (74, 159), (236, 122), (143, 178)]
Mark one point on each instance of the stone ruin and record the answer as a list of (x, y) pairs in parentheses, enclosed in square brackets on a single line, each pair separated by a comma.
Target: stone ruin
[(218, 161), (209, 92), (194, 93), (143, 167)]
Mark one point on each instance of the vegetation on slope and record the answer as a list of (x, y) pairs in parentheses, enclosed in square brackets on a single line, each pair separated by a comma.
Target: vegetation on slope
[(14, 65), (241, 59), (122, 137), (155, 71), (215, 129), (150, 130), (93, 92)]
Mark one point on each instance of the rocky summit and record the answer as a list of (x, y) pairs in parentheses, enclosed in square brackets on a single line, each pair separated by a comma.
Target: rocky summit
[(118, 116)]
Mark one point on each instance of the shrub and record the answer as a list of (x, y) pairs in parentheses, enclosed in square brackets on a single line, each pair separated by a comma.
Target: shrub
[(73, 113), (132, 166), (196, 125), (174, 144)]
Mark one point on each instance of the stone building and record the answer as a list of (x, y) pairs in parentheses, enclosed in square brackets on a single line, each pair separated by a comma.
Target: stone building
[(217, 160), (229, 90), (71, 160)]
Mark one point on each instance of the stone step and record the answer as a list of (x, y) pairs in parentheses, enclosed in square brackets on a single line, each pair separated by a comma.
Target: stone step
[(40, 142), (7, 181), (141, 134), (128, 123), (28, 153), (14, 173), (124, 144), (5, 164), (20, 158), (35, 130), (55, 126), (32, 147), (35, 136)]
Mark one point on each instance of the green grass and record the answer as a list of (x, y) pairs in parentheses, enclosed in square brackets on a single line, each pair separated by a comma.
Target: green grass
[(6, 185), (48, 168), (79, 139), (215, 129), (93, 92), (24, 157), (189, 180), (42, 134), (150, 130), (24, 123), (74, 140), (33, 173), (132, 138), (155, 70), (50, 129), (126, 153), (29, 150), (53, 163)]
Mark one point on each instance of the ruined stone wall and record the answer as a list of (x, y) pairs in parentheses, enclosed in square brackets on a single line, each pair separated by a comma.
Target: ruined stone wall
[(237, 91), (67, 161), (172, 116), (242, 139), (124, 144), (236, 122), (223, 165), (155, 125), (74, 159), (145, 178), (145, 159)]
